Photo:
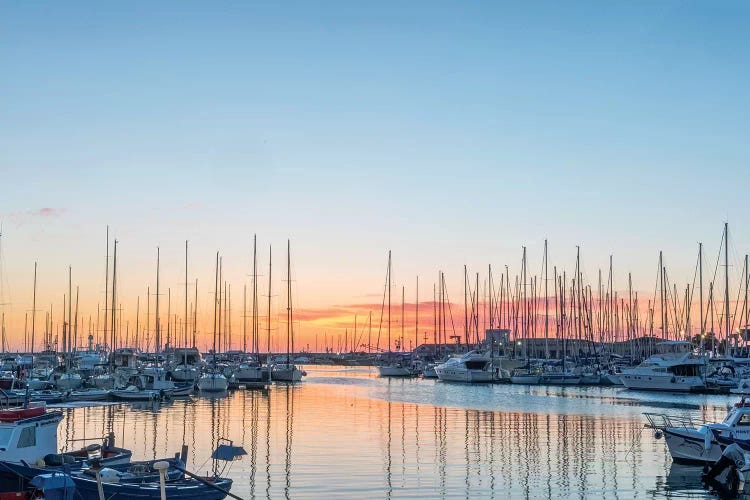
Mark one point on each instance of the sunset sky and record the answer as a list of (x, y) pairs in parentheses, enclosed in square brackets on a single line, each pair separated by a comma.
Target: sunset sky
[(450, 133)]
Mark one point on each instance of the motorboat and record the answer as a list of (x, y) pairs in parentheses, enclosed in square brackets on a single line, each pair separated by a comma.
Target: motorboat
[(676, 369), (472, 367), (688, 443)]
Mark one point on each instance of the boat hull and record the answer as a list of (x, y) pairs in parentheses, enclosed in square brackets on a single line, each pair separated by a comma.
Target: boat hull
[(286, 375), (667, 382), (213, 383), (463, 375), (688, 446), (525, 379), (394, 371)]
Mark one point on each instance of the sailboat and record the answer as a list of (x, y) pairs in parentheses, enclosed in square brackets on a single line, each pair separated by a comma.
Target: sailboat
[(186, 361), (393, 364), (213, 380), (248, 372), (288, 371)]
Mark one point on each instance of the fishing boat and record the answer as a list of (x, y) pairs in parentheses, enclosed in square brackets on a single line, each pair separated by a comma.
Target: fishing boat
[(28, 433)]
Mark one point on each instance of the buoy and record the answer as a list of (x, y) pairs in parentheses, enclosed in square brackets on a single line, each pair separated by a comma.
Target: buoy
[(658, 434)]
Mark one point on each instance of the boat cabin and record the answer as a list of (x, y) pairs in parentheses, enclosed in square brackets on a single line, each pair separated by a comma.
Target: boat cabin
[(28, 434)]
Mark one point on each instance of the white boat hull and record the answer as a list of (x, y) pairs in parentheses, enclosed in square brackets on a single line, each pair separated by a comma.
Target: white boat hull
[(213, 382), (183, 374), (691, 446), (667, 382), (463, 375), (429, 372)]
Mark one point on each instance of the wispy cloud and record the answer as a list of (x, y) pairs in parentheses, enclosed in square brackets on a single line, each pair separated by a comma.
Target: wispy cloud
[(24, 216)]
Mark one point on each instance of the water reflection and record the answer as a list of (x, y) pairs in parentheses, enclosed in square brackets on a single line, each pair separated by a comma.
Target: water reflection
[(346, 434)]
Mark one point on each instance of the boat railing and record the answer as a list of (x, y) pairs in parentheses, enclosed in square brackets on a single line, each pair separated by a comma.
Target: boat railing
[(663, 421)]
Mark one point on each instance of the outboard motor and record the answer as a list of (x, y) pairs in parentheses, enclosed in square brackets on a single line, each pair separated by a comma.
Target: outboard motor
[(727, 475)]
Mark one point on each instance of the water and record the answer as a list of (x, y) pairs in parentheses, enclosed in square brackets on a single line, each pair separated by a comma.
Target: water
[(345, 433)]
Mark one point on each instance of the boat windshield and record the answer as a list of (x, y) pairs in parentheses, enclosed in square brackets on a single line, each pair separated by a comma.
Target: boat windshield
[(5, 435)]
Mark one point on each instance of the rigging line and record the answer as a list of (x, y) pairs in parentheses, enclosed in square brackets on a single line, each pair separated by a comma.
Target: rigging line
[(737, 301)]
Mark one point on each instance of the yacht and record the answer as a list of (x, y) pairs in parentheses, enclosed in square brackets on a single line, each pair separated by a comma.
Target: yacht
[(703, 444), (472, 367), (676, 369)]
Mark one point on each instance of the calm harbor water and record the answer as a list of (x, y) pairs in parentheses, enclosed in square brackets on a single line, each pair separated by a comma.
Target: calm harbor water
[(345, 433)]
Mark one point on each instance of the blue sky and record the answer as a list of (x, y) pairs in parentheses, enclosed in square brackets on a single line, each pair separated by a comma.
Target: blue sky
[(449, 132)]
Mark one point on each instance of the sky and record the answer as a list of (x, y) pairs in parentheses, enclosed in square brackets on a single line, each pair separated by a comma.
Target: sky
[(450, 133)]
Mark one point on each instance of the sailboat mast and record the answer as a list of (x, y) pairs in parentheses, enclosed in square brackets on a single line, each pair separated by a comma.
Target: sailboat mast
[(389, 300), (185, 320), (466, 307), (255, 343), (726, 284), (416, 321), (288, 301), (157, 328), (106, 288), (546, 305), (244, 318), (33, 313), (75, 327), (269, 311), (114, 295), (525, 312), (700, 292), (216, 302), (661, 295)]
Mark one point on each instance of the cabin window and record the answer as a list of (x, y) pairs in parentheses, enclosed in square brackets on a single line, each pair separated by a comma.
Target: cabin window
[(744, 420), (27, 437)]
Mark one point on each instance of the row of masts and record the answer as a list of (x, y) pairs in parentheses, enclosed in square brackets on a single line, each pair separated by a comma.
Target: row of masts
[(552, 305), (177, 332)]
